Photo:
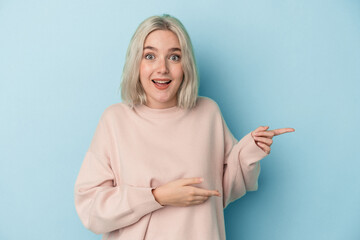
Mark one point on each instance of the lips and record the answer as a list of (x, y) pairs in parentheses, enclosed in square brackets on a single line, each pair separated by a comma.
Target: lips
[(161, 84)]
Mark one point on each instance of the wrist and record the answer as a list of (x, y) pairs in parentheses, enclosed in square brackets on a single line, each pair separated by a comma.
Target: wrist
[(155, 193)]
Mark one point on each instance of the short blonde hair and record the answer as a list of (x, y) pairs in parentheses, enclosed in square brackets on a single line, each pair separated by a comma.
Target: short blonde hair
[(132, 92)]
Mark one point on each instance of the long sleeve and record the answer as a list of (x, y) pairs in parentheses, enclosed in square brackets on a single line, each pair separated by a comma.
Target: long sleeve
[(241, 166), (102, 203), (135, 150)]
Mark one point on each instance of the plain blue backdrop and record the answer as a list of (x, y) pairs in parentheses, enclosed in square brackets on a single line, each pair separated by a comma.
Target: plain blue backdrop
[(285, 63)]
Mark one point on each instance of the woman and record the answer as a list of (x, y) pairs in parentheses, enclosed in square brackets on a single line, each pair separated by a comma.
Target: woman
[(163, 164)]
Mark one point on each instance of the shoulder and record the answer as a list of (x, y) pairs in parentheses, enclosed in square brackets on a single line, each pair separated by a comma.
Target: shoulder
[(208, 104), (206, 108), (115, 110)]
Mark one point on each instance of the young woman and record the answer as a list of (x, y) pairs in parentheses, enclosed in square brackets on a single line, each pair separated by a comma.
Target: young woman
[(163, 164)]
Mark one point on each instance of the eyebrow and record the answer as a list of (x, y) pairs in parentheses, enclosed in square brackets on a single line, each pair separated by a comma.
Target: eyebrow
[(155, 49)]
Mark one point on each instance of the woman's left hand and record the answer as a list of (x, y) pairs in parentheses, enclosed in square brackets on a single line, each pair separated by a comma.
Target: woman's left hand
[(263, 138)]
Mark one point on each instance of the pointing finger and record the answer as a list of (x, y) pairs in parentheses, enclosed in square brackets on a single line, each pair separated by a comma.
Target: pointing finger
[(282, 130), (208, 193)]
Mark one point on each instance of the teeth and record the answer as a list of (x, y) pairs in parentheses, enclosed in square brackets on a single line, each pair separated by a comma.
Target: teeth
[(162, 81)]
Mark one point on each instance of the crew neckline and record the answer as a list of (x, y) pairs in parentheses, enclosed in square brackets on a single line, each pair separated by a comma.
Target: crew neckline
[(158, 112)]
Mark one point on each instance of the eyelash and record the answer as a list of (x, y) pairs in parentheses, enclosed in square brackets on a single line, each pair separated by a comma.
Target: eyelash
[(174, 55), (148, 54), (177, 56)]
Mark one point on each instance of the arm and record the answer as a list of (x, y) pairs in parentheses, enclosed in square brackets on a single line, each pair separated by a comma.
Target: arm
[(241, 166), (101, 203)]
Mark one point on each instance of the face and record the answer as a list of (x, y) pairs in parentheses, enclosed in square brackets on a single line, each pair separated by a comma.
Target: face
[(160, 69)]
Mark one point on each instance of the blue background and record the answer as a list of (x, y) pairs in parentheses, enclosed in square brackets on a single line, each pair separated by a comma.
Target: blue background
[(282, 63)]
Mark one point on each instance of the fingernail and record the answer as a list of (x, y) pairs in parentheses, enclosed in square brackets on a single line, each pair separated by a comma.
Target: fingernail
[(201, 179)]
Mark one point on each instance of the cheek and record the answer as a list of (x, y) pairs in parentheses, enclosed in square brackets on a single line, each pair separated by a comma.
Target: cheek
[(145, 71), (178, 72)]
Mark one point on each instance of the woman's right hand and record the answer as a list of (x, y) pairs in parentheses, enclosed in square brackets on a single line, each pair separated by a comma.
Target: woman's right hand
[(179, 193)]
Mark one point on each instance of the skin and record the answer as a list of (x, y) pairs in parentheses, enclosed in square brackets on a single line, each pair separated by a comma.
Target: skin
[(162, 60), (263, 137)]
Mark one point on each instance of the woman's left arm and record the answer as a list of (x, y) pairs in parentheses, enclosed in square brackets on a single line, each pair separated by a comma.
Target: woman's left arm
[(258, 144), (241, 165)]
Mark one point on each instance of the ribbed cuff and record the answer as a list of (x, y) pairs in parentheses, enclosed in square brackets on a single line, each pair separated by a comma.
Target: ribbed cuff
[(141, 199), (250, 152)]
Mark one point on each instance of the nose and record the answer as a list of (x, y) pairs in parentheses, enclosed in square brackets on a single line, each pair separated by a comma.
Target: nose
[(162, 66)]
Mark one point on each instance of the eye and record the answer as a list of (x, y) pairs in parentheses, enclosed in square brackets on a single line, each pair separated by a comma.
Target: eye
[(175, 58), (149, 56)]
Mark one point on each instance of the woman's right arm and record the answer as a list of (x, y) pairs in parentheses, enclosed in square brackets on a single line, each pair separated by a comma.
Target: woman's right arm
[(179, 193), (101, 203)]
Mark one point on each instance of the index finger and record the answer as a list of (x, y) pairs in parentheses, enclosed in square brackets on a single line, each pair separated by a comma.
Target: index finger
[(207, 193), (282, 130)]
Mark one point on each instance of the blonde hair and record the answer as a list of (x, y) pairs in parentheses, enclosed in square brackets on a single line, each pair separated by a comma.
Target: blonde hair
[(132, 92)]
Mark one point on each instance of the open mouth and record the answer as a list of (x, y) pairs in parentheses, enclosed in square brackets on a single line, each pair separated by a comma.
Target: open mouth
[(159, 84)]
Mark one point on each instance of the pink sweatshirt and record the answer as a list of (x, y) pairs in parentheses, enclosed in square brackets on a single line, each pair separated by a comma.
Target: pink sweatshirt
[(136, 150)]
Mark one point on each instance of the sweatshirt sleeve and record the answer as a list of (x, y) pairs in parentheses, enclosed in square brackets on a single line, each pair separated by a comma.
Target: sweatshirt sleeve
[(103, 205), (241, 166)]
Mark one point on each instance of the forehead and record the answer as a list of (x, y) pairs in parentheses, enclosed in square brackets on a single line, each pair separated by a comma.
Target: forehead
[(162, 38)]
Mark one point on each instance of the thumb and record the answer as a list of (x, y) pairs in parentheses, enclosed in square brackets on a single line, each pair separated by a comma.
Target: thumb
[(261, 128), (189, 181)]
